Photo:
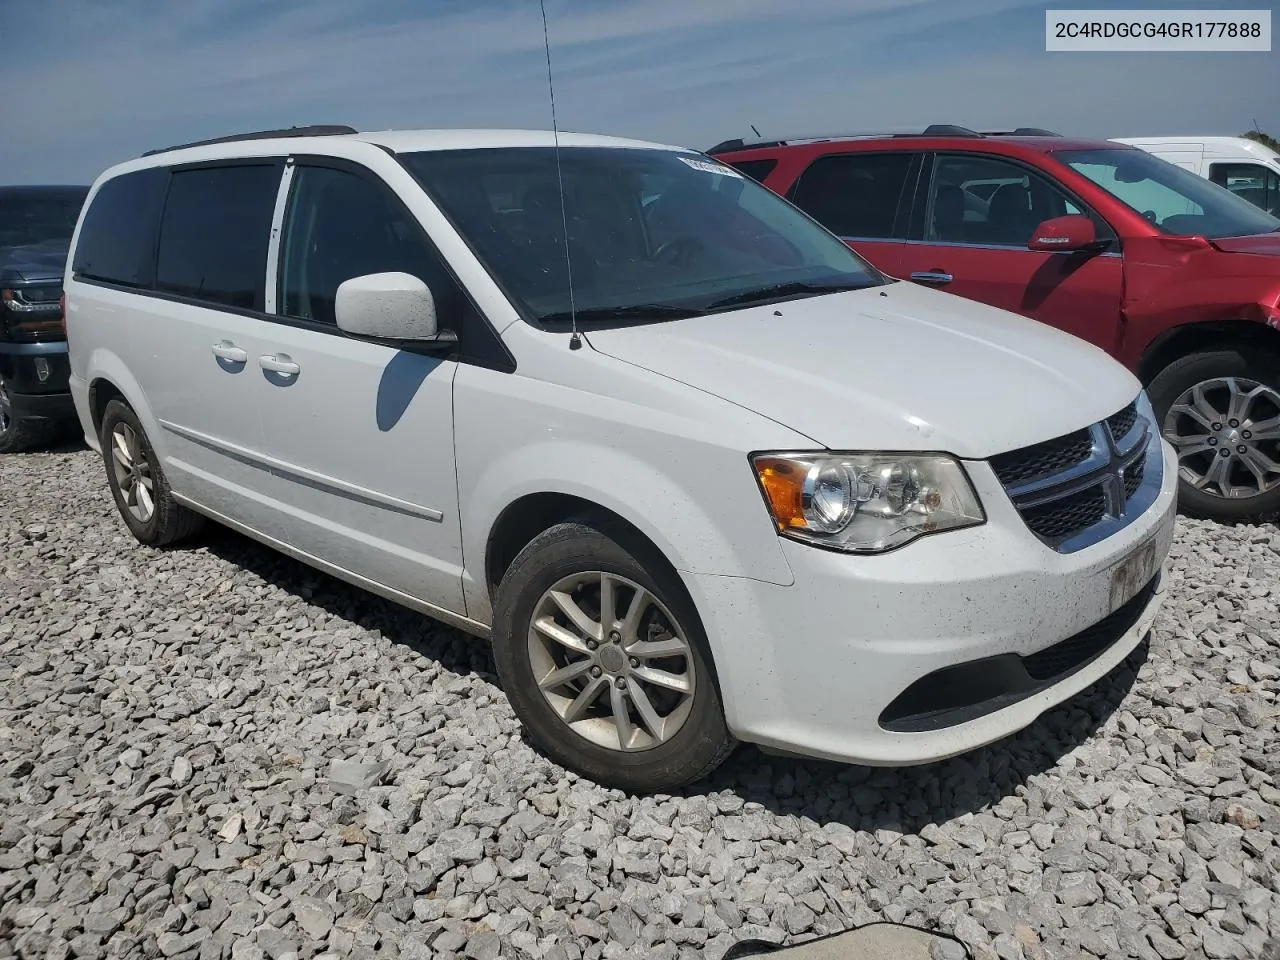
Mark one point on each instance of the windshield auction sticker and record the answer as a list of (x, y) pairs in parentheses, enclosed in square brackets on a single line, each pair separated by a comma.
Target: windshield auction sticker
[(708, 166), (1136, 31)]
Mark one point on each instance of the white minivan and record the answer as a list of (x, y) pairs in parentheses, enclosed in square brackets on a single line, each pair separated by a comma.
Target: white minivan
[(1249, 169), (701, 473)]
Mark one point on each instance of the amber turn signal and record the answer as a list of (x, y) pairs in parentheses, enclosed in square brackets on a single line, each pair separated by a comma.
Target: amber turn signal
[(782, 481)]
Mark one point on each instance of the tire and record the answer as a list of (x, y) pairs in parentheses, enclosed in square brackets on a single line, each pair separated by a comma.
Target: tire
[(19, 435), (167, 521), (1212, 372), (693, 739)]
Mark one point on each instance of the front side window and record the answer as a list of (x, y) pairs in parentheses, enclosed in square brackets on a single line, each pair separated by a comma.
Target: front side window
[(1173, 199), (991, 201), (1249, 181), (342, 225), (854, 194), (652, 234), (214, 234)]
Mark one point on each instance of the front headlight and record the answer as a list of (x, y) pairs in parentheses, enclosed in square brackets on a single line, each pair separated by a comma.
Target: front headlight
[(865, 502)]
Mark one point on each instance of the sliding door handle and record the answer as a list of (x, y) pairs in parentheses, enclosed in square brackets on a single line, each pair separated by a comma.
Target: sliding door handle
[(932, 276)]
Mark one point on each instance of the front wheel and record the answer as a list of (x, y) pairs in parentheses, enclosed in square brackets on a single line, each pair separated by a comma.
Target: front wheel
[(1221, 412), (604, 660)]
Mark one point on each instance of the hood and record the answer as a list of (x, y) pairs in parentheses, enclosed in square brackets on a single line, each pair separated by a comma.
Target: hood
[(896, 367), (39, 261), (1266, 244)]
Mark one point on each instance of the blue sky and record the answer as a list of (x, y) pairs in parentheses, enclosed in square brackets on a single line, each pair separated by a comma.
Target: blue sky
[(91, 82)]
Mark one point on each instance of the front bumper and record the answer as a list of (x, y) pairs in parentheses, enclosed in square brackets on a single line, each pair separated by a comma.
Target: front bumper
[(37, 375), (815, 668)]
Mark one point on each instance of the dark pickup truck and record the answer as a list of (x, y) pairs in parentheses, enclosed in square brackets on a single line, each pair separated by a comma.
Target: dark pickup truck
[(36, 224)]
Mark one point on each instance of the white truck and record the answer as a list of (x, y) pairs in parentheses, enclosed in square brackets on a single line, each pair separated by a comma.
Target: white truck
[(1245, 167)]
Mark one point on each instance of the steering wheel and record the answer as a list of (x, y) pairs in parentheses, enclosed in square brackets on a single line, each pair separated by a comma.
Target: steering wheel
[(678, 251)]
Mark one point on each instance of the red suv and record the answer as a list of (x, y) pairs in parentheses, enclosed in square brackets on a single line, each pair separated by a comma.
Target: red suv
[(1168, 272)]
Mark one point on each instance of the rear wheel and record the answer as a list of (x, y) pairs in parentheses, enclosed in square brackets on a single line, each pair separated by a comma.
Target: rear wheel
[(604, 660), (1221, 412), (138, 483)]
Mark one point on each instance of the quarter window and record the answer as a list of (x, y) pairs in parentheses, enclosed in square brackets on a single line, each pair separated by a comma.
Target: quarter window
[(214, 235), (117, 242), (854, 195), (755, 169), (342, 225)]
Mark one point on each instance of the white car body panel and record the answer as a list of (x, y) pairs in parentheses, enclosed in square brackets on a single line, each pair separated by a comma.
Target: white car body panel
[(900, 367), (390, 468), (1199, 154), (361, 440)]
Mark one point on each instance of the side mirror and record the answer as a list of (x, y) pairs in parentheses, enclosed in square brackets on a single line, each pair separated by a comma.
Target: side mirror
[(1070, 233), (389, 306)]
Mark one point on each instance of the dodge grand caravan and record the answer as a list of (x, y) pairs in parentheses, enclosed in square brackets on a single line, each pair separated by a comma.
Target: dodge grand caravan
[(700, 472), (1174, 276)]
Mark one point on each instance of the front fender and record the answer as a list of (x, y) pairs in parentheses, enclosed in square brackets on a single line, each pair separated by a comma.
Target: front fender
[(668, 510), (1166, 290)]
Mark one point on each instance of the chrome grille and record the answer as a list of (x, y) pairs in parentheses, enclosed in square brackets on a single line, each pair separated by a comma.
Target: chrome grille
[(1079, 488)]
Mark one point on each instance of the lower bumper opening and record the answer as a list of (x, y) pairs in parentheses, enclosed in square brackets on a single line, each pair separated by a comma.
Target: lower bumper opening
[(42, 406), (967, 691)]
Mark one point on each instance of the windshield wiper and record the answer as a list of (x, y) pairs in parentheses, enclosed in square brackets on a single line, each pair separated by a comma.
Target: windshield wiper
[(635, 313), (780, 291)]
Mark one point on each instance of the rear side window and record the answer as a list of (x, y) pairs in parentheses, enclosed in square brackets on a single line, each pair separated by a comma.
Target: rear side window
[(118, 237), (214, 235), (755, 169), (854, 194)]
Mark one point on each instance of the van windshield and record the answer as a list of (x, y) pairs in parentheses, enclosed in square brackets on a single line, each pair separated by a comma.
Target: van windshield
[(34, 215), (653, 234), (1175, 200)]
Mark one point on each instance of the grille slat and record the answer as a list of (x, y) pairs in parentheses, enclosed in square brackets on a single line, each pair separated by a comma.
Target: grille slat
[(1043, 459), (1121, 423), (1059, 519), (1076, 481), (1133, 478)]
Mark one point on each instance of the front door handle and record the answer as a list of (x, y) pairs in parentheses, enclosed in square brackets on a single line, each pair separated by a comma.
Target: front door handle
[(932, 276), (228, 351), (279, 363)]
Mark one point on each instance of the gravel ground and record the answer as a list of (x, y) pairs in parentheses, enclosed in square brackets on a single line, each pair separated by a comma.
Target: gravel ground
[(215, 752)]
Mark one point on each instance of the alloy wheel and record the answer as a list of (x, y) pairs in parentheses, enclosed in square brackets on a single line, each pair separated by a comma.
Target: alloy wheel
[(1227, 434), (612, 661), (132, 472)]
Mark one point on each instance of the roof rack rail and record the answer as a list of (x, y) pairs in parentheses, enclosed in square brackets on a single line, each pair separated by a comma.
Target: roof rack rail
[(315, 130), (1021, 132), (947, 130), (932, 130)]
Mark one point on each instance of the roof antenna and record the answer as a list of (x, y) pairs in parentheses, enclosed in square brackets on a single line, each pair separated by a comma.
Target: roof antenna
[(575, 339), (754, 130)]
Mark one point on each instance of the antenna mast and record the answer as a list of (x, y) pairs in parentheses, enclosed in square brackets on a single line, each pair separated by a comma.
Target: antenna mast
[(575, 340)]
